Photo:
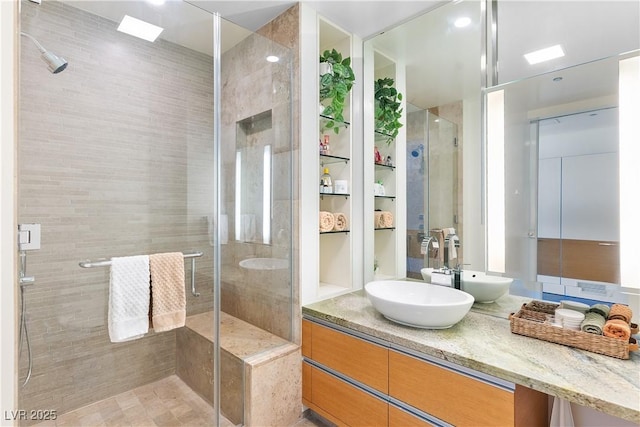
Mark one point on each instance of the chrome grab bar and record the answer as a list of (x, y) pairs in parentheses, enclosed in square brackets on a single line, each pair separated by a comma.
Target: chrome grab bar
[(192, 255)]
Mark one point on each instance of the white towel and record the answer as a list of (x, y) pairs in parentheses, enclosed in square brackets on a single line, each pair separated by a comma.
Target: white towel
[(128, 315), (247, 227), (224, 229)]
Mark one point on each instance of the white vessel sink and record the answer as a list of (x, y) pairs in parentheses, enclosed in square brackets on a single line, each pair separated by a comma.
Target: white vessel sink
[(264, 263), (417, 304), (483, 287)]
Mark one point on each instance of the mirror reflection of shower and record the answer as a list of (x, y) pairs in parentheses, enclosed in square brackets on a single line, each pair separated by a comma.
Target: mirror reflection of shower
[(55, 63), (419, 152)]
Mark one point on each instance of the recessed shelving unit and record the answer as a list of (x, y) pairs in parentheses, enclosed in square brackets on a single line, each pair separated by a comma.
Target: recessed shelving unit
[(335, 268), (385, 247)]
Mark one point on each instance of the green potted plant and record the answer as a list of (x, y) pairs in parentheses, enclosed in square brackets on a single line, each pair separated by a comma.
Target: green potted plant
[(335, 87), (388, 110)]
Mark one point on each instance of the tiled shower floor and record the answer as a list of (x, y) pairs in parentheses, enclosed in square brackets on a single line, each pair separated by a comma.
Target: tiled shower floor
[(165, 403)]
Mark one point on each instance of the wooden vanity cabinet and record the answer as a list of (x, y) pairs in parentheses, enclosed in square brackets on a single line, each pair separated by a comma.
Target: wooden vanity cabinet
[(354, 382)]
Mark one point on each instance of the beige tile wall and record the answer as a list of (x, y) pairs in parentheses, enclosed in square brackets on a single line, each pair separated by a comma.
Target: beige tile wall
[(115, 159)]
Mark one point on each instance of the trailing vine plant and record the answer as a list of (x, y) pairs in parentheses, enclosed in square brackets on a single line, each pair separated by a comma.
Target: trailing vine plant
[(335, 87), (388, 111)]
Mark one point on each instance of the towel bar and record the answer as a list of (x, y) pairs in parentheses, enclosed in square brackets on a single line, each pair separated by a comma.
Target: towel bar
[(192, 255)]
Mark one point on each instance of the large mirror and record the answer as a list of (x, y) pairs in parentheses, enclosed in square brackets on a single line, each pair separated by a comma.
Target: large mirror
[(561, 146), (555, 176), (439, 55), (445, 80)]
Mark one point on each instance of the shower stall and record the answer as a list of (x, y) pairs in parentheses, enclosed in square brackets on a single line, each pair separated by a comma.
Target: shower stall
[(434, 184), (184, 144)]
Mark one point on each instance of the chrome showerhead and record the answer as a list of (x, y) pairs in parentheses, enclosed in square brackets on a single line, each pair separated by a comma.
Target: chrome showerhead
[(55, 63)]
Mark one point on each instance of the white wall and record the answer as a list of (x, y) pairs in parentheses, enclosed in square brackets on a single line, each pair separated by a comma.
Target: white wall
[(8, 27)]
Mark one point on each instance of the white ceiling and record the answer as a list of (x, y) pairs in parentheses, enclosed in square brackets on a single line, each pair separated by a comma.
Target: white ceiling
[(442, 62)]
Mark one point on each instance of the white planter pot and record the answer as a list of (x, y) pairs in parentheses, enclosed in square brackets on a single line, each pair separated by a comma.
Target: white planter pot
[(325, 67)]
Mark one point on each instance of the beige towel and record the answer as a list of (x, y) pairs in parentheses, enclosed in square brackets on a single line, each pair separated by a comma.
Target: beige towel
[(621, 312), (168, 299), (377, 215), (617, 328), (340, 221), (386, 219), (327, 221)]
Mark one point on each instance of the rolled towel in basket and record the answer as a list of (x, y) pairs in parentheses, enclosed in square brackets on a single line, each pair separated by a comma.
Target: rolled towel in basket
[(601, 309), (617, 328), (340, 222), (593, 323), (327, 221), (377, 215), (386, 219), (620, 311)]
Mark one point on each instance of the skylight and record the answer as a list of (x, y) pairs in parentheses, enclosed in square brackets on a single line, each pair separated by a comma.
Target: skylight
[(138, 28)]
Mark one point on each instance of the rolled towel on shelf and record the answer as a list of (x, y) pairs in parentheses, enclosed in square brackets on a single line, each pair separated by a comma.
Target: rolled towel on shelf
[(601, 309), (386, 219), (327, 221), (377, 215), (617, 328), (621, 312), (340, 221), (593, 323)]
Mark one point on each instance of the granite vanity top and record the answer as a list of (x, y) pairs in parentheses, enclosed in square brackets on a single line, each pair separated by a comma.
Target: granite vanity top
[(483, 341)]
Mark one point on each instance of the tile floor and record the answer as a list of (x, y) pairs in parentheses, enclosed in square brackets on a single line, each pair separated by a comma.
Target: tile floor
[(165, 403)]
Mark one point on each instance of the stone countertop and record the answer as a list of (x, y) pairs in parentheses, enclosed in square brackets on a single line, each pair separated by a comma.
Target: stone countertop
[(483, 341)]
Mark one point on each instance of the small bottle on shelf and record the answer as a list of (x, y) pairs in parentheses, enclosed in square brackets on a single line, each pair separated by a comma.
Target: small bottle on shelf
[(326, 183), (325, 146)]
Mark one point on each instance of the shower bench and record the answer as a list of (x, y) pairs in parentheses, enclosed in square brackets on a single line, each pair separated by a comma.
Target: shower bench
[(262, 365)]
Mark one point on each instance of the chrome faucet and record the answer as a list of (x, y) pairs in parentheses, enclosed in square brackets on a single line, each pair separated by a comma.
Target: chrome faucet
[(429, 242), (447, 241)]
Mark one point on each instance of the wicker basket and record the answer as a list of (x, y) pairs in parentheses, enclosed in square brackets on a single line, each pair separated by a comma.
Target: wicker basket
[(529, 321)]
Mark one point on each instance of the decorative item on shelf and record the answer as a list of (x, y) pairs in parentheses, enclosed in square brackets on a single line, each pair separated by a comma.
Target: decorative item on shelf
[(325, 147), (326, 183), (335, 87), (388, 108), (377, 157), (341, 186), (388, 161), (378, 189), (325, 68)]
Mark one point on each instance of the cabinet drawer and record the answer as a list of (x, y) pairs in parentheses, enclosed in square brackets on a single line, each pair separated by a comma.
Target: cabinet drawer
[(306, 383), (401, 418), (447, 395), (306, 338), (365, 362), (345, 402)]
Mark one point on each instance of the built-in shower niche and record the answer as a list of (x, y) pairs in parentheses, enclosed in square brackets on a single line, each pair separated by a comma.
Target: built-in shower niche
[(253, 198)]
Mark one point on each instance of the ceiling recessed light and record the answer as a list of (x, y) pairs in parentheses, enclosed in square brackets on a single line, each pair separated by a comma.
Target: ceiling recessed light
[(273, 58), (462, 22), (138, 28), (545, 54)]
